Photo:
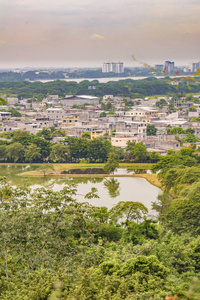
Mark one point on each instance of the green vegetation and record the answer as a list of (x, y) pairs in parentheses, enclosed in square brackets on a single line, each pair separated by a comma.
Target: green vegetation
[(81, 73), (161, 103), (125, 88), (21, 146), (151, 130), (53, 247), (176, 130), (197, 119), (137, 152), (112, 163)]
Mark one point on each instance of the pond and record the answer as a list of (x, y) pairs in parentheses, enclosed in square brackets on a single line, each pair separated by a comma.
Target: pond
[(110, 190)]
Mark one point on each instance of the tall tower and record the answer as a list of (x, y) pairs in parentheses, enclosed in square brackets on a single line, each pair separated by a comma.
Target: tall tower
[(169, 66), (193, 67), (115, 67)]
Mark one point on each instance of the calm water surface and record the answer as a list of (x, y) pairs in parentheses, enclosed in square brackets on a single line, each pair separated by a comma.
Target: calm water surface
[(110, 190), (104, 80)]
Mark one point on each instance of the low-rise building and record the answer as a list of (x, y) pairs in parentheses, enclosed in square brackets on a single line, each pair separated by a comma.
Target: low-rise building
[(55, 113), (12, 100), (4, 115), (120, 139), (69, 121), (94, 134), (70, 100)]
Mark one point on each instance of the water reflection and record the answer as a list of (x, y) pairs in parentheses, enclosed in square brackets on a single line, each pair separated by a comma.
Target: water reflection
[(11, 173), (111, 190), (122, 171), (137, 171), (113, 187)]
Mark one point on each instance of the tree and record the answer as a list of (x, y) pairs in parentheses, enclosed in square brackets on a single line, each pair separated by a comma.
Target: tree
[(161, 103), (86, 135), (15, 152), (45, 133), (140, 152), (103, 114), (137, 151), (154, 157), (34, 224), (112, 163), (183, 215), (97, 151), (192, 108), (128, 211), (151, 130), (191, 138), (190, 130), (78, 148), (32, 153), (172, 159), (137, 233), (47, 168), (3, 152), (176, 130), (171, 107), (197, 119), (58, 153)]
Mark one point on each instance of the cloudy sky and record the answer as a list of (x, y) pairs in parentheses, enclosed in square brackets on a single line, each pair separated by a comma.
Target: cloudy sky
[(85, 33)]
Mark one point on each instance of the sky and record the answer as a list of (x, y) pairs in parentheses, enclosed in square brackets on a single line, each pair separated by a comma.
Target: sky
[(86, 33)]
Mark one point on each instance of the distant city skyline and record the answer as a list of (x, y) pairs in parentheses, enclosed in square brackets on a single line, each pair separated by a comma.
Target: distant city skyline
[(81, 33)]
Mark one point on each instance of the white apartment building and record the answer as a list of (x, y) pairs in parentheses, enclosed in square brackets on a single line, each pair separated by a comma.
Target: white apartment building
[(193, 67), (115, 67)]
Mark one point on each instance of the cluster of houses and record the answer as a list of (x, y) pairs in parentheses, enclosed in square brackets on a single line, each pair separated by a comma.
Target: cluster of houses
[(81, 113)]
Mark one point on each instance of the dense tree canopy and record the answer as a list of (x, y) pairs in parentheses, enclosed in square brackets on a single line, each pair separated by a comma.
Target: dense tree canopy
[(53, 246), (125, 88)]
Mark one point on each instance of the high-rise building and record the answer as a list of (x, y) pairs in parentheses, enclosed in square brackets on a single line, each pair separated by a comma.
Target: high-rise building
[(193, 67), (169, 66), (115, 67)]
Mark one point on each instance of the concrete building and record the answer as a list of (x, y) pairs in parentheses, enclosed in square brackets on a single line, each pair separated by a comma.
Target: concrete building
[(12, 100), (162, 145), (69, 121), (114, 67), (108, 97), (53, 98), (5, 115), (70, 100), (193, 67), (120, 139), (55, 113), (169, 66), (94, 134), (136, 128)]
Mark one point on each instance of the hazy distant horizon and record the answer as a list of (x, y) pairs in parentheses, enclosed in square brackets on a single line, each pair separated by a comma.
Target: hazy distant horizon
[(81, 33), (39, 67)]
